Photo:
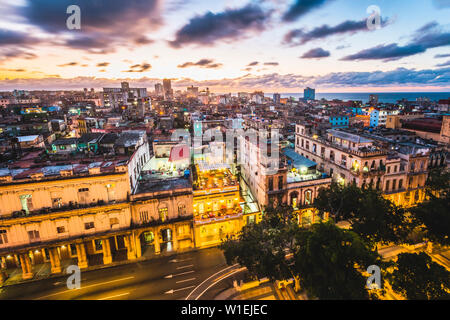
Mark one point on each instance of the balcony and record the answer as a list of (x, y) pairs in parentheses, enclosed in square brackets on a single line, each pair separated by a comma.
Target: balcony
[(218, 215), (49, 210)]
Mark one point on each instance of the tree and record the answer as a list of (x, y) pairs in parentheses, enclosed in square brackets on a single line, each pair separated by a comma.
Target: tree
[(371, 216), (433, 218), (262, 247), (417, 277), (432, 215), (326, 259), (330, 261)]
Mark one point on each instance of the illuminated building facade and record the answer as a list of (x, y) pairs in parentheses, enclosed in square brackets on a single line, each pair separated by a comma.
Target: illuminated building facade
[(216, 204), (400, 173)]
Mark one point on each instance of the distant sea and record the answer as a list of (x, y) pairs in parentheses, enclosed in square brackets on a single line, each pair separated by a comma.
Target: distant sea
[(386, 97)]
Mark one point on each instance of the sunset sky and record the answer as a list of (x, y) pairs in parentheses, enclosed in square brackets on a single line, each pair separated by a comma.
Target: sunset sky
[(228, 46)]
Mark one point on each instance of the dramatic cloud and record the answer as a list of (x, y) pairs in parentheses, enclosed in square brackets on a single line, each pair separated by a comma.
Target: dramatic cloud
[(231, 24), (442, 55), (439, 78), (301, 7), (139, 68), (271, 63), (15, 44), (70, 64), (105, 23), (143, 40), (203, 63), (445, 64), (300, 36), (429, 36), (316, 53), (9, 37)]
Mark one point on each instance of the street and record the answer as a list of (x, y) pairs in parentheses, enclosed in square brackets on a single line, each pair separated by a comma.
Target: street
[(193, 275)]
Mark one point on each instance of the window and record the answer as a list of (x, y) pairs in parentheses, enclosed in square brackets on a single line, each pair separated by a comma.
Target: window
[(89, 225), (113, 222), (343, 160), (61, 229), (400, 183), (387, 185), (33, 235), (308, 197), (98, 245), (144, 216), (83, 190), (3, 237), (394, 182), (314, 148), (163, 214), (389, 169), (181, 209), (56, 202), (270, 183), (280, 182), (26, 202)]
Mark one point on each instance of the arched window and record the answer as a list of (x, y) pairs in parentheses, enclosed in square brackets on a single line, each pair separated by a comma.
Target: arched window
[(181, 209), (163, 212), (308, 197)]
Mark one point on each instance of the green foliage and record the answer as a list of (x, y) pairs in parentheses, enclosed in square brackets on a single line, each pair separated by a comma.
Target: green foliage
[(433, 218), (325, 257), (371, 216), (417, 277), (327, 262), (262, 247)]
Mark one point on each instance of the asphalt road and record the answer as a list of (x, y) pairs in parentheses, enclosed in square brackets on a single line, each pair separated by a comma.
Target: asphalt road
[(194, 275)]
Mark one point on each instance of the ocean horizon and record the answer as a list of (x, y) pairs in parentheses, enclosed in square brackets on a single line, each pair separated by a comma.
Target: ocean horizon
[(383, 97)]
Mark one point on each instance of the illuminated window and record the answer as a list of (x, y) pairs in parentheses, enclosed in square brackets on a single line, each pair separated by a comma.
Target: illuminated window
[(181, 209), (61, 229), (308, 197), (163, 214), (26, 202)]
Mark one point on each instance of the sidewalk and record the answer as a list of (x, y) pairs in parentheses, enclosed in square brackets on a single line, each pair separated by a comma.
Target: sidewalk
[(43, 271)]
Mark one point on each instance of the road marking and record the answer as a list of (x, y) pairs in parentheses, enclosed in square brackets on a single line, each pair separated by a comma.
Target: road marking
[(182, 260), (210, 278), (90, 286), (172, 291), (215, 282), (170, 276), (191, 279), (183, 267), (117, 295)]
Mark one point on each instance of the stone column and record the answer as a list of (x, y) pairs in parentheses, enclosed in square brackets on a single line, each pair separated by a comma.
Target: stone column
[(129, 243), (175, 239), (26, 266), (107, 258), (137, 239), (82, 258), (156, 243), (54, 260)]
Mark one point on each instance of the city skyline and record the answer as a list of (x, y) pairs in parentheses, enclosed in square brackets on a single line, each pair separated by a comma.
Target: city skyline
[(228, 46)]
